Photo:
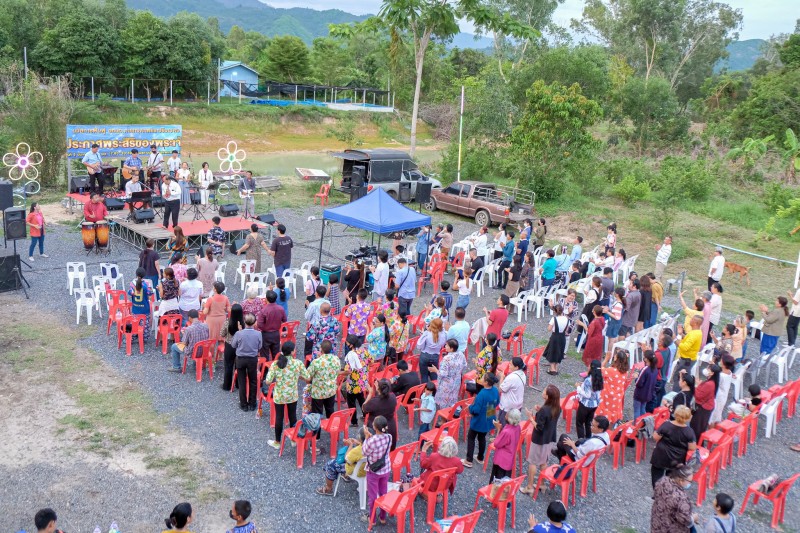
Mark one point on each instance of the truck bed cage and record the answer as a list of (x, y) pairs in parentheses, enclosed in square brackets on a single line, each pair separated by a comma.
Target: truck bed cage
[(505, 195)]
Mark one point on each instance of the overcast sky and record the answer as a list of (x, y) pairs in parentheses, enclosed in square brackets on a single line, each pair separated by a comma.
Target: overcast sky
[(762, 18)]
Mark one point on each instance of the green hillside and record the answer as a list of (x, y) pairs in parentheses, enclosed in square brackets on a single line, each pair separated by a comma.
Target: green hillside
[(743, 54), (253, 15)]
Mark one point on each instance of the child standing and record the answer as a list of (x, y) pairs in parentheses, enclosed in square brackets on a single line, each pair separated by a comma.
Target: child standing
[(723, 520), (240, 513), (427, 407)]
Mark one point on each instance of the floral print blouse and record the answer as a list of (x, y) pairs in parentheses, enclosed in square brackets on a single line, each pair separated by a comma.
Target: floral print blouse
[(323, 372), (358, 372), (325, 329), (483, 362), (358, 314), (376, 344), (451, 367), (571, 311), (286, 380)]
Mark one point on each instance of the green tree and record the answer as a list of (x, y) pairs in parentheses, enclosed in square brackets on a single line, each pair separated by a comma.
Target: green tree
[(552, 140), (285, 59), (21, 25), (772, 106), (467, 62), (193, 50), (652, 107), (79, 44), (146, 51), (750, 152), (789, 52), (423, 20), (791, 154), (679, 40)]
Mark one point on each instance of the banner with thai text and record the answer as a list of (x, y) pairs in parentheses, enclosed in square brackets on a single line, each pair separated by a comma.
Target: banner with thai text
[(117, 140)]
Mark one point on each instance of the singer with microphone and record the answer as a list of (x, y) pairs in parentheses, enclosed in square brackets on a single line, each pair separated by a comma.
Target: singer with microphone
[(171, 192)]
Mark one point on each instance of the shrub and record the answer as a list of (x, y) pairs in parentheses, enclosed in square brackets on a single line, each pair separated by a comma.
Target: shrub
[(777, 196), (631, 191), (682, 178)]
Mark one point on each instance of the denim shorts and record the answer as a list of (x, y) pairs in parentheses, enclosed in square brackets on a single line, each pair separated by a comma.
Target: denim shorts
[(612, 329)]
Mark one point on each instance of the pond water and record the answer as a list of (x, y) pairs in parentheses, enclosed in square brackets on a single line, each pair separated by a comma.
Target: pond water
[(284, 163)]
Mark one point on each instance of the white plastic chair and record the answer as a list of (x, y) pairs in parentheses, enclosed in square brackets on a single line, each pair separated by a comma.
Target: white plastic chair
[(781, 361), (361, 481), (585, 333), (219, 274), (84, 298), (477, 281), (768, 411), (76, 271), (247, 268), (738, 380), (271, 271), (677, 282), (492, 270), (305, 271), (755, 327), (260, 279), (794, 354), (99, 288), (538, 300), (520, 301), (291, 279), (113, 273)]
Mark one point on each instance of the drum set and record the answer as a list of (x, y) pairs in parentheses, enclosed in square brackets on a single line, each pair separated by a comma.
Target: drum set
[(96, 237)]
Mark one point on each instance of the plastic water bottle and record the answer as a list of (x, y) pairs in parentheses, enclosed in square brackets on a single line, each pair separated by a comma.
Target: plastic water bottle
[(97, 529), (113, 528)]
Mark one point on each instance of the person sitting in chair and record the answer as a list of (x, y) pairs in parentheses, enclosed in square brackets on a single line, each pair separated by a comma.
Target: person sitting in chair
[(574, 450)]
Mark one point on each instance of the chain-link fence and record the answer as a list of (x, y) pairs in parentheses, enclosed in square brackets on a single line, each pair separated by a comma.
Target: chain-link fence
[(148, 90)]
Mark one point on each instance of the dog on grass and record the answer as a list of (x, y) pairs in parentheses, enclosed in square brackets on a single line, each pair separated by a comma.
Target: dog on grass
[(743, 271)]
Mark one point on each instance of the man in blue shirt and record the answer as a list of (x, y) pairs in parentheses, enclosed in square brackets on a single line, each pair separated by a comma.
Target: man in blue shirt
[(444, 285), (423, 241), (405, 279), (508, 256), (133, 163), (459, 330), (93, 163), (577, 250)]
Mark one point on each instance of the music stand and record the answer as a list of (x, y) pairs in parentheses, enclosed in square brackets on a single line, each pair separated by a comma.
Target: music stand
[(246, 214), (195, 207)]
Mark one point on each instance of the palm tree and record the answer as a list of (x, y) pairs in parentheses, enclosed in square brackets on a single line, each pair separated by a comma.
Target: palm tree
[(791, 154), (750, 152)]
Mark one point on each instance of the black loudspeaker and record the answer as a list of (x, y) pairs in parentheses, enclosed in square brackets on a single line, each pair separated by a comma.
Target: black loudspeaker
[(358, 176), (108, 181), (357, 192), (235, 245), (14, 223), (268, 219), (424, 192), (112, 204), (6, 195), (195, 197), (143, 215), (8, 280), (158, 201), (79, 182), (228, 210)]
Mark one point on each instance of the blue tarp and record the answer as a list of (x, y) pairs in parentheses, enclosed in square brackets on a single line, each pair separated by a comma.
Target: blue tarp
[(377, 212)]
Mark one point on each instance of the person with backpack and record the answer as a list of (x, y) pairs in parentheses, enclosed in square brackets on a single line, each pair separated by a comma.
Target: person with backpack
[(723, 520), (376, 449)]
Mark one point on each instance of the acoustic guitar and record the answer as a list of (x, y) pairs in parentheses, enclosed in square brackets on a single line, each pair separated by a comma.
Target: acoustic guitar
[(130, 173)]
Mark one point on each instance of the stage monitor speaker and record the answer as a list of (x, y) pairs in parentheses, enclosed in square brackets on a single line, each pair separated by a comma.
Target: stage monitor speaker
[(268, 219), (108, 181), (358, 176), (76, 183), (423, 195), (14, 223), (358, 192), (143, 215), (113, 204), (228, 210), (158, 201), (8, 279), (6, 195), (235, 245)]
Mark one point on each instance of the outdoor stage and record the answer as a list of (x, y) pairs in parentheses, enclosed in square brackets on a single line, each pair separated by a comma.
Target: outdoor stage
[(195, 230)]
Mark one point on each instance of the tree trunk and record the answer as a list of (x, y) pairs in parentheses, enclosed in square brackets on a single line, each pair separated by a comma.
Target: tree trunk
[(420, 60)]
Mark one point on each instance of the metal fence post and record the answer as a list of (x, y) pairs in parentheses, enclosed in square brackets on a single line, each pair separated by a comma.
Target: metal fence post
[(170, 92), (132, 97), (209, 94), (295, 95), (240, 91), (92, 88)]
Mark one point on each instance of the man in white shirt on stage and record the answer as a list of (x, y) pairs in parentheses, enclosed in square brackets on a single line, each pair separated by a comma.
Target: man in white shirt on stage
[(131, 187), (171, 192), (155, 161), (246, 189)]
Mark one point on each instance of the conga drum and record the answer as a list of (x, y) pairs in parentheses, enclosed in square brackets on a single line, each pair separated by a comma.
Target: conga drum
[(88, 233), (102, 234)]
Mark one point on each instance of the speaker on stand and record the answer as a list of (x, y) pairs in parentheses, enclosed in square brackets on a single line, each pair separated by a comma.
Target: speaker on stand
[(15, 229), (6, 195), (357, 192), (423, 195)]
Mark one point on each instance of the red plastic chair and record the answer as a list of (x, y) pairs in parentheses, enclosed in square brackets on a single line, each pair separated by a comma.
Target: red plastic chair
[(401, 457), (436, 485), (289, 331), (413, 362), (117, 301), (516, 340), (714, 438), (792, 396), (168, 325), (462, 524), (411, 346), (202, 354), (396, 504), (437, 434), (339, 422), (618, 446), (532, 364), (777, 496), (270, 400), (448, 414), (324, 190), (387, 373), (708, 473), (569, 406), (409, 404), (589, 466), (340, 399), (300, 443), (458, 260), (504, 494), (518, 458), (129, 326), (434, 276), (566, 479), (660, 415), (418, 323)]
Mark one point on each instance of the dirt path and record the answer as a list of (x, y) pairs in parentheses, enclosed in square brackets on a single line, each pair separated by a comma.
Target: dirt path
[(79, 438)]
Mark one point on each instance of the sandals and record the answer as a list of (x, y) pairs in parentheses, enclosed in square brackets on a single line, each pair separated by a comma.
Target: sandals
[(526, 490), (795, 447), (322, 491), (466, 464)]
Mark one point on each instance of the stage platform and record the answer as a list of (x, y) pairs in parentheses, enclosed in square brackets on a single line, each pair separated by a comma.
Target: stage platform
[(195, 230)]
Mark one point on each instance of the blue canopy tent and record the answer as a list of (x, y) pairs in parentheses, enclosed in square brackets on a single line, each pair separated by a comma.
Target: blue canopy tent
[(376, 212)]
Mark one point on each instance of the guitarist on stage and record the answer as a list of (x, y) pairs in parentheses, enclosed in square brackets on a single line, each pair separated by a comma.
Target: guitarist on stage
[(153, 170), (93, 163), (133, 165), (246, 189)]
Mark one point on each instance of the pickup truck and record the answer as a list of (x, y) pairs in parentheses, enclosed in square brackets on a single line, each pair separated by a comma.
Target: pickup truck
[(487, 203)]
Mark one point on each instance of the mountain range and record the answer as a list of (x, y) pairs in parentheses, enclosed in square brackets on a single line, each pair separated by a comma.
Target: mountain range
[(309, 24)]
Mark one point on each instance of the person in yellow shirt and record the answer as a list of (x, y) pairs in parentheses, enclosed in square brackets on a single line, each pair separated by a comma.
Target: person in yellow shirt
[(699, 304), (344, 463), (687, 348)]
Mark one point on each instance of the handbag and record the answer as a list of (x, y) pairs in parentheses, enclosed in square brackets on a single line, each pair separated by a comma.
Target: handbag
[(380, 463)]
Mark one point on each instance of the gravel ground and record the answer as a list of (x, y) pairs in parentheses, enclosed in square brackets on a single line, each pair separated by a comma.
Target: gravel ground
[(236, 441)]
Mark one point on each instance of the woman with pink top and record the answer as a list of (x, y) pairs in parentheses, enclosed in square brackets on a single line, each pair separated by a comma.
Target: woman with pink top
[(505, 445)]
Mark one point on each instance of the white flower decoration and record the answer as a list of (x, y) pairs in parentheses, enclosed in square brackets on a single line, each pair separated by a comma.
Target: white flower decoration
[(23, 163), (231, 157)]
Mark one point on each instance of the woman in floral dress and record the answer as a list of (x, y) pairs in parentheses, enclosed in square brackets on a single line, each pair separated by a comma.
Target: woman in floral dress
[(357, 314), (357, 381), (614, 378), (377, 339), (487, 359), (286, 372), (452, 365), (571, 310)]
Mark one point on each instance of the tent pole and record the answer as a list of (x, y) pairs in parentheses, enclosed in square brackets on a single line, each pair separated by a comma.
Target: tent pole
[(321, 236)]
